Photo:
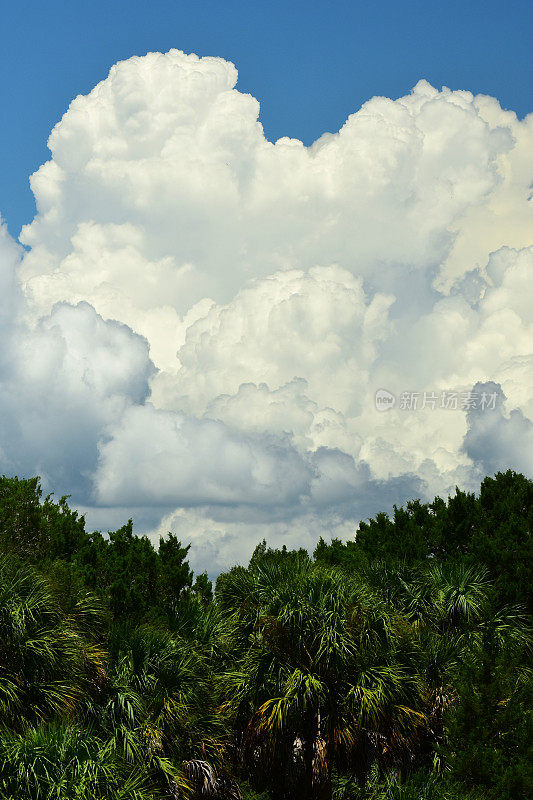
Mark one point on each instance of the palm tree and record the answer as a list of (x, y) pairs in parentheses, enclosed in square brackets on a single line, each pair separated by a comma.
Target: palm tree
[(450, 607), (67, 762), (160, 708), (47, 660), (323, 675)]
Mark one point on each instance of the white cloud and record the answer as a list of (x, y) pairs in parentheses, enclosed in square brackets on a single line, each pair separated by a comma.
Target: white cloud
[(318, 326), (277, 287), (220, 543), (180, 460), (63, 381)]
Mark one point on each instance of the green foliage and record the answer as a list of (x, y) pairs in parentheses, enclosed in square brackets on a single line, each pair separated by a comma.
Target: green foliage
[(492, 530), (45, 663), (393, 666), (490, 729), (21, 518), (124, 570), (420, 786), (323, 663), (174, 573), (67, 762)]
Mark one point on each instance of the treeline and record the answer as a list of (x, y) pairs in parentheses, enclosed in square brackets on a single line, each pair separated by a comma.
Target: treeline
[(395, 666)]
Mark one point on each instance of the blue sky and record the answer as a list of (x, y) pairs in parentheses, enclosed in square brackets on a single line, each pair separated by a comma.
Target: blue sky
[(309, 64)]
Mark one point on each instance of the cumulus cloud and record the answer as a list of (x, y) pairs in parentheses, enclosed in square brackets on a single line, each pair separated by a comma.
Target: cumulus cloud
[(184, 461), (498, 439), (63, 381), (10, 254), (341, 495), (209, 315)]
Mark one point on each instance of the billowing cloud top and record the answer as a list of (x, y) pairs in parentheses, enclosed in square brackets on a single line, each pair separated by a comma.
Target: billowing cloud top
[(202, 320)]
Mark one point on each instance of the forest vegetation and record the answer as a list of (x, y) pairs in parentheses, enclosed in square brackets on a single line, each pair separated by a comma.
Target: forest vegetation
[(393, 666)]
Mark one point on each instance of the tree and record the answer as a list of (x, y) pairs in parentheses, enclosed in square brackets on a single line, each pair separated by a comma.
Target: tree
[(66, 762), (323, 675), (174, 572), (47, 660)]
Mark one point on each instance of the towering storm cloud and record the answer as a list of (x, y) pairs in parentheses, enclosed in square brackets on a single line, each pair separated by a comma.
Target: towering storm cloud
[(201, 320)]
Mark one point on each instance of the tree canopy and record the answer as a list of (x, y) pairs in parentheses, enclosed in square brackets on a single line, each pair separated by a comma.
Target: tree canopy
[(396, 664)]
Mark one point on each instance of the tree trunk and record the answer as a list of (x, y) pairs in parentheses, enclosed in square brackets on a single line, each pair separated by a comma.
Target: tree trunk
[(320, 765)]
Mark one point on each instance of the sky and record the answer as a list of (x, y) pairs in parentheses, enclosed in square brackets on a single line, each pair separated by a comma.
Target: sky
[(309, 64), (271, 273)]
